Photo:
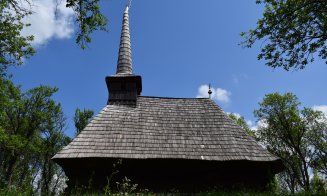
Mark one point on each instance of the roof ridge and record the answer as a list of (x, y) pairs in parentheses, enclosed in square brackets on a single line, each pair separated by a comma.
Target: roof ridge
[(174, 97)]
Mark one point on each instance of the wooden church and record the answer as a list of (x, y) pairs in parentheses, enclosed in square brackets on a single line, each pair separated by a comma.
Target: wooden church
[(184, 144)]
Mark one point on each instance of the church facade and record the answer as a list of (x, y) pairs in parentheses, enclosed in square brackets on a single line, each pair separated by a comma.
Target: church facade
[(184, 144)]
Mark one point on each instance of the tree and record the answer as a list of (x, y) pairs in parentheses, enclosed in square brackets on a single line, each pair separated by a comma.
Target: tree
[(318, 141), (81, 119), (318, 184), (31, 132), (239, 120), (53, 139), (293, 32), (14, 47), (288, 134), (31, 123), (89, 19)]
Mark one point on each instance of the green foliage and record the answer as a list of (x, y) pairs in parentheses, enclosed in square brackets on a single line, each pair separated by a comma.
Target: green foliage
[(31, 132), (32, 123), (318, 139), (319, 186), (18, 192), (288, 133), (81, 119), (274, 186), (292, 30), (125, 187), (14, 48), (242, 123), (89, 18)]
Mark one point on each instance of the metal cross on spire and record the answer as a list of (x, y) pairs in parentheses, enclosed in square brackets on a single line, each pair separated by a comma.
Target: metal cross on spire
[(129, 4)]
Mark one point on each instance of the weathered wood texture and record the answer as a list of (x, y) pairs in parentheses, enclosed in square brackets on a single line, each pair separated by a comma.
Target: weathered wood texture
[(123, 88), (124, 64), (165, 128)]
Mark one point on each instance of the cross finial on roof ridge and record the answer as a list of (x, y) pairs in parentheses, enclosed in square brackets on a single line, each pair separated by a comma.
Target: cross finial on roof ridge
[(209, 91)]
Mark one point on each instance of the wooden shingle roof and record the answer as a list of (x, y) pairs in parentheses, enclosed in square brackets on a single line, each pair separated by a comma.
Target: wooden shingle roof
[(165, 128)]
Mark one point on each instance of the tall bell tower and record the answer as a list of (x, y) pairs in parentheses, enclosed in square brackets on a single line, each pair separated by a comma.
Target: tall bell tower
[(124, 86)]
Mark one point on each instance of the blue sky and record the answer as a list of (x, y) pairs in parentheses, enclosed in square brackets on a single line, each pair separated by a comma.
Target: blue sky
[(178, 46)]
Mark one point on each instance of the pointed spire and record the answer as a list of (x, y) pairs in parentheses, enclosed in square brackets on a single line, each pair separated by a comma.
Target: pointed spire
[(124, 87), (124, 64)]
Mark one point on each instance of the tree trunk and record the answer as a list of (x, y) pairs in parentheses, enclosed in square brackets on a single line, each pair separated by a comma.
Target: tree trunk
[(9, 171)]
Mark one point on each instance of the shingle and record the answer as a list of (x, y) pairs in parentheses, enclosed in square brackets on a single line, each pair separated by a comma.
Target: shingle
[(160, 127)]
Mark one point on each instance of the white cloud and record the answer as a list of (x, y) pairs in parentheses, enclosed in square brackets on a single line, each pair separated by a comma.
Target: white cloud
[(218, 94), (222, 95), (50, 19), (322, 108), (203, 91)]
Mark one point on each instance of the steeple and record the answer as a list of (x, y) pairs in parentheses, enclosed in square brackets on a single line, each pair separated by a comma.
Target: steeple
[(124, 64), (124, 86)]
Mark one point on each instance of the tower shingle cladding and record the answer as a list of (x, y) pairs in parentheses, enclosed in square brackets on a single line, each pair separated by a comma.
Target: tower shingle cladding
[(124, 64)]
